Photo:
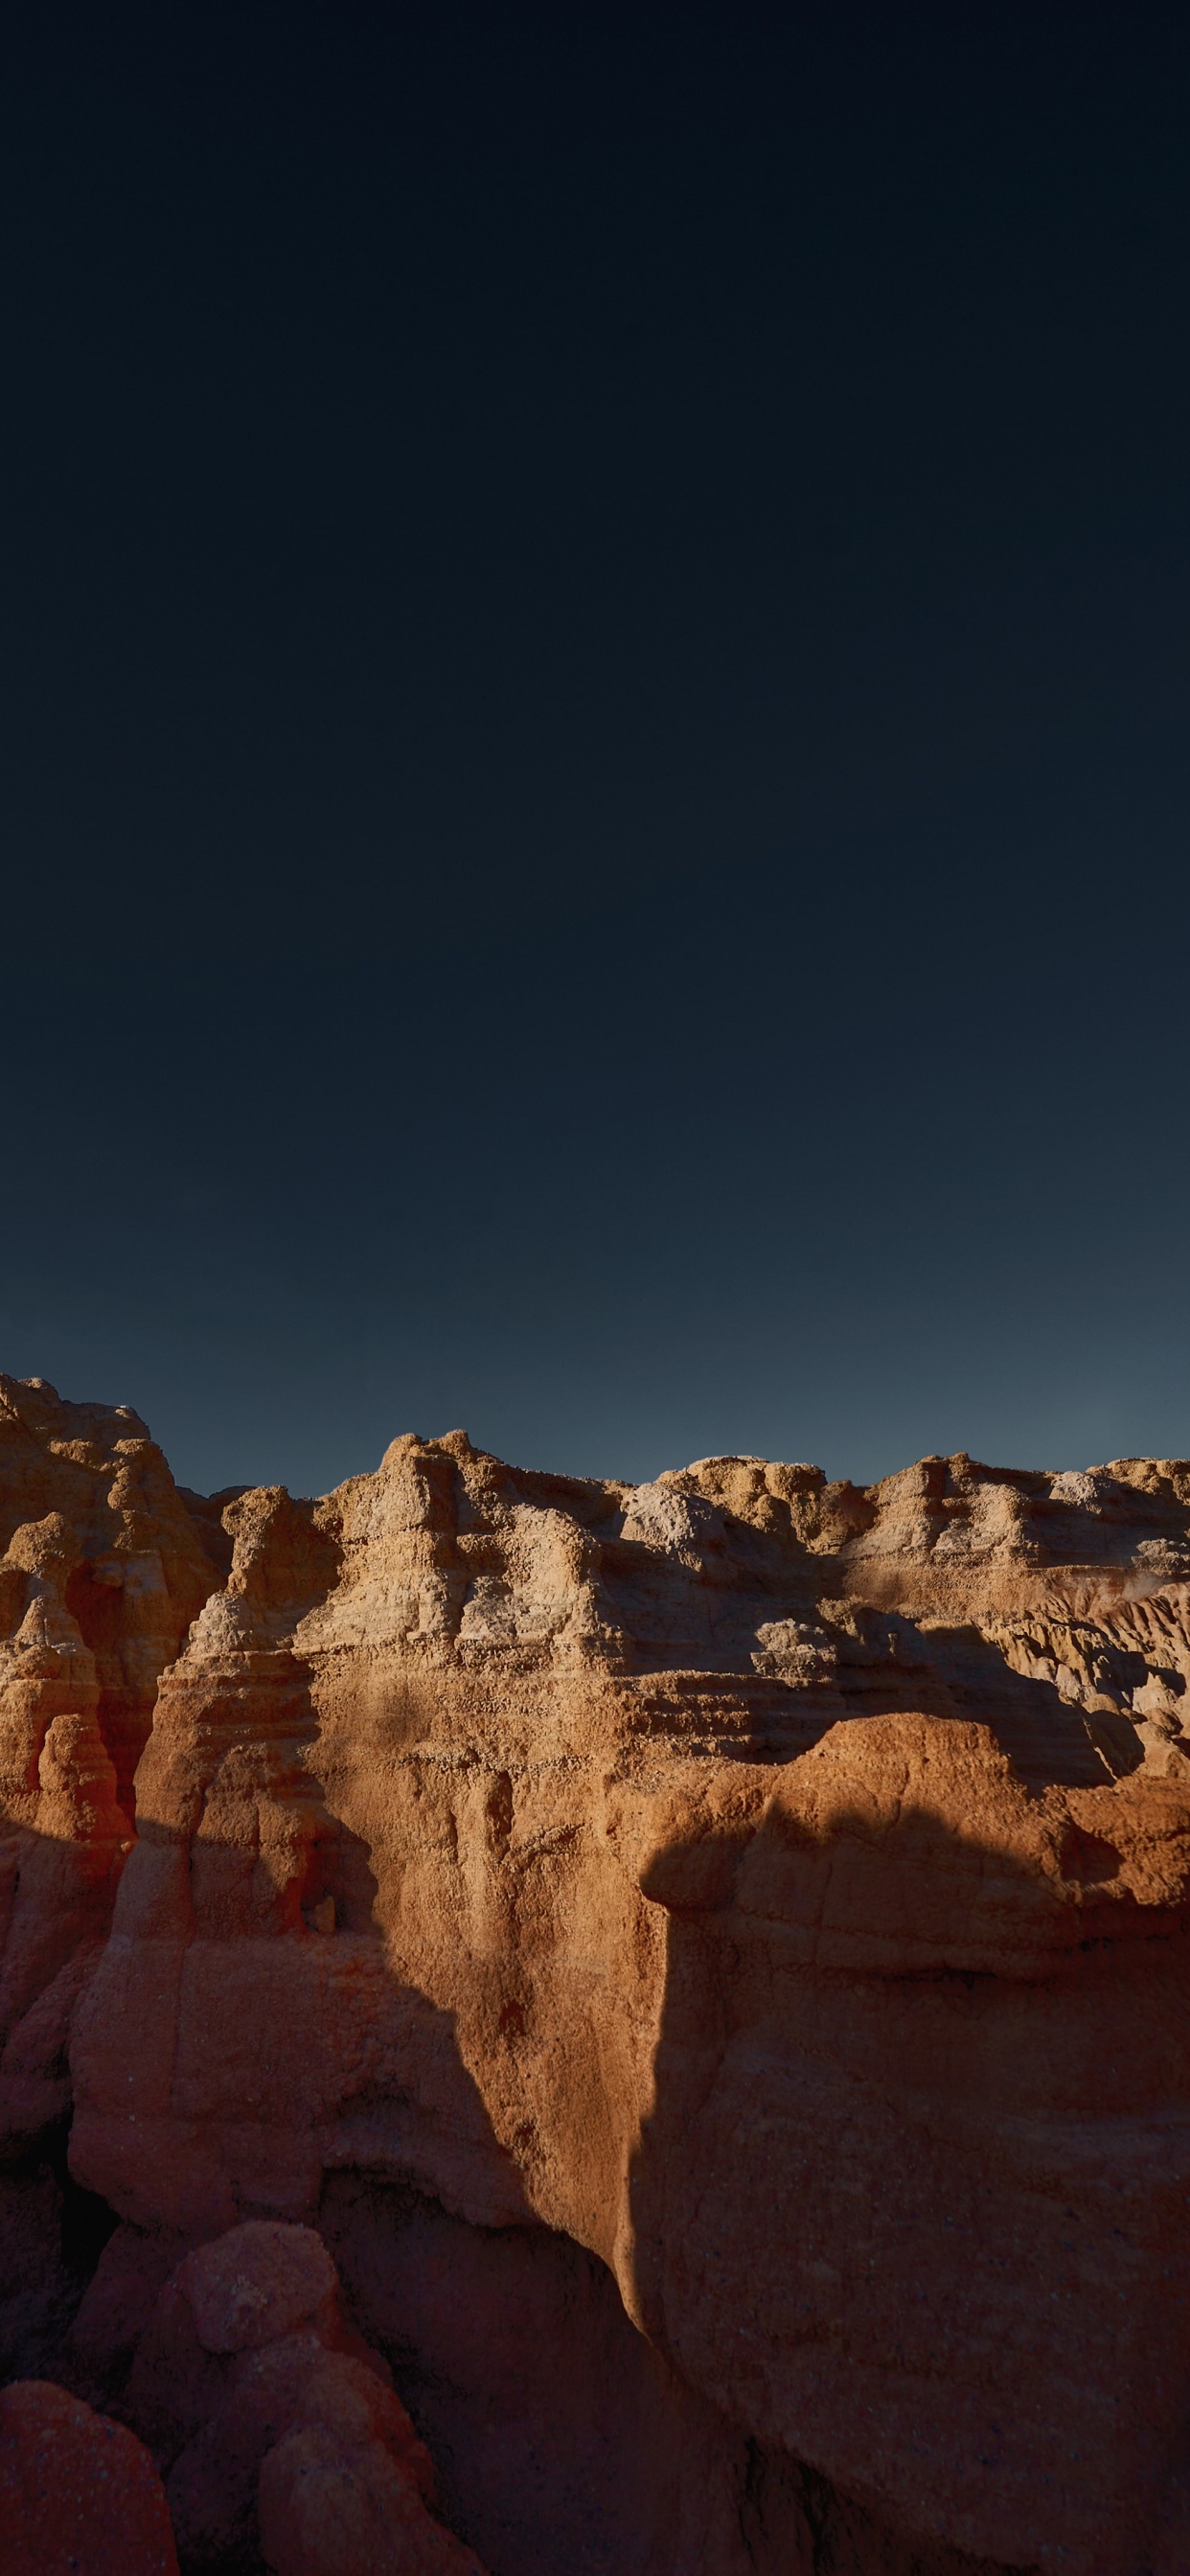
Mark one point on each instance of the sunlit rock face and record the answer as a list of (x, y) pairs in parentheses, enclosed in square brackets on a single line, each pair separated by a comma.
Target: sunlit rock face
[(706, 1957)]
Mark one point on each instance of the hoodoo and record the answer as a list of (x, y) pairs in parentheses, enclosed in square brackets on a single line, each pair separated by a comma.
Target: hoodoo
[(560, 2026)]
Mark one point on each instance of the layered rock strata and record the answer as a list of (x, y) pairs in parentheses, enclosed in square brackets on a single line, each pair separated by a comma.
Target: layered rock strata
[(705, 1956)]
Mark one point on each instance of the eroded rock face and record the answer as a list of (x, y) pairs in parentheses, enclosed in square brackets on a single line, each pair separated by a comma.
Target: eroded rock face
[(102, 1570), (739, 1915)]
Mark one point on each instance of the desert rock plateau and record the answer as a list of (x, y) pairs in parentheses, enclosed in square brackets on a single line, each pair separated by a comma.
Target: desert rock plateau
[(559, 2028)]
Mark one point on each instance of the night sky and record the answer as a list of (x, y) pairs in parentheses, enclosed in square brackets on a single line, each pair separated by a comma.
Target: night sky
[(596, 622)]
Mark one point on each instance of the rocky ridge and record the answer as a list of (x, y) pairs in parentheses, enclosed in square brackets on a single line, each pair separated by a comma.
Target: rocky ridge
[(705, 1958)]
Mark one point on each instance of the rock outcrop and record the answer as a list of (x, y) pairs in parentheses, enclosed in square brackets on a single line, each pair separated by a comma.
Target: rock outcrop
[(705, 1958)]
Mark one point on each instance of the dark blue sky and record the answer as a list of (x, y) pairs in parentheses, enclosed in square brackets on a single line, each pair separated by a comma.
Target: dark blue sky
[(597, 610)]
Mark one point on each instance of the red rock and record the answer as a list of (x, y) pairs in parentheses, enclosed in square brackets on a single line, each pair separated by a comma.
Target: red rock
[(258, 2283), (278, 2427), (79, 2495), (330, 2506), (768, 1895), (114, 2312), (102, 1570)]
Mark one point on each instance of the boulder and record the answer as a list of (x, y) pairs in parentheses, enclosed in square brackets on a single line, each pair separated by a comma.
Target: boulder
[(79, 2495)]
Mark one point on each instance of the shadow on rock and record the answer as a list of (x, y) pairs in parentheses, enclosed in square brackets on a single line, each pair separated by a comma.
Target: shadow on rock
[(907, 2202)]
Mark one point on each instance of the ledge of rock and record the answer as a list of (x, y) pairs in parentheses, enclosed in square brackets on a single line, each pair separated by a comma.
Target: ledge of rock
[(666, 2001)]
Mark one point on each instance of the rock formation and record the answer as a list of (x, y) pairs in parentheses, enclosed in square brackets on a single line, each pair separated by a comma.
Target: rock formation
[(79, 2495), (704, 1958), (275, 2423)]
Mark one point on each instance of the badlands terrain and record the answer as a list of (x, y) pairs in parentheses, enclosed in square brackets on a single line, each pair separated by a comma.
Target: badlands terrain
[(556, 2028)]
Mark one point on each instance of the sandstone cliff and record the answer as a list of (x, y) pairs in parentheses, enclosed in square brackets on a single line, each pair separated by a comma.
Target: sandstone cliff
[(706, 1957)]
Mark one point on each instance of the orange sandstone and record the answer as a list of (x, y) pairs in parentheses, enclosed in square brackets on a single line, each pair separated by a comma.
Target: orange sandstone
[(705, 1958)]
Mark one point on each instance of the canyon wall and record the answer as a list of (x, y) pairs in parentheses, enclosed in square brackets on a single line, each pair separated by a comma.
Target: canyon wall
[(705, 1956)]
